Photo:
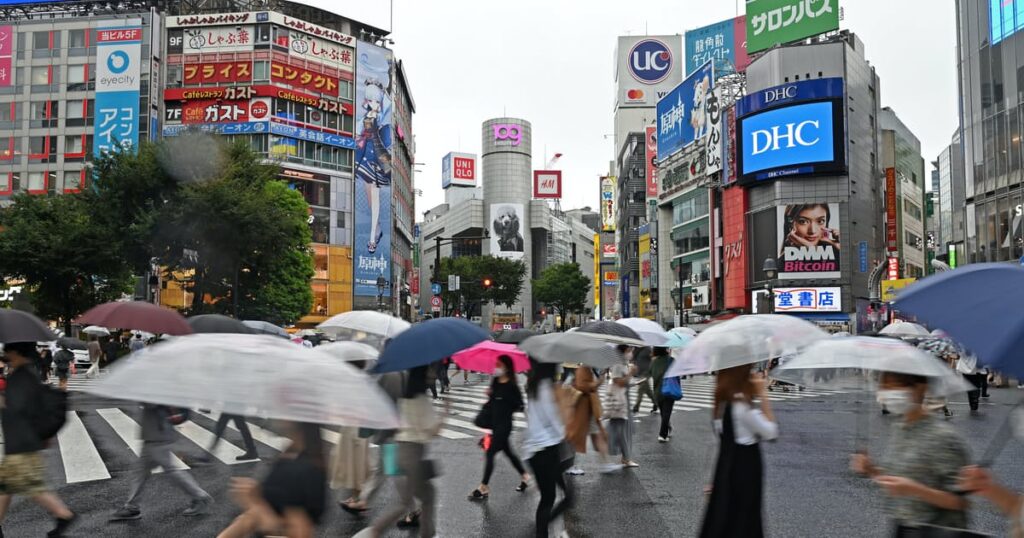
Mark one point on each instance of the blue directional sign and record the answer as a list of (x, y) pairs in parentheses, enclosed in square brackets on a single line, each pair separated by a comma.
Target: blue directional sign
[(435, 288), (312, 136), (862, 253)]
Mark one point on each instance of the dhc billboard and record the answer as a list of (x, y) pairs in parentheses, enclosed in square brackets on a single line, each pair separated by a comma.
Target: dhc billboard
[(794, 129)]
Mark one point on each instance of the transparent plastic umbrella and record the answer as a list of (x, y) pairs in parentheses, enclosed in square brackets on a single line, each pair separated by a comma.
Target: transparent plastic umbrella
[(364, 321), (351, 352), (905, 329), (650, 332), (572, 347), (250, 375)]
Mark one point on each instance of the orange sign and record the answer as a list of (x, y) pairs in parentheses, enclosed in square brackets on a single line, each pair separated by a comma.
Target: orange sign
[(216, 72), (300, 77)]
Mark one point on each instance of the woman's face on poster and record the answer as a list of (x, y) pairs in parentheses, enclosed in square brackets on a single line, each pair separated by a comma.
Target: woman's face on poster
[(811, 224)]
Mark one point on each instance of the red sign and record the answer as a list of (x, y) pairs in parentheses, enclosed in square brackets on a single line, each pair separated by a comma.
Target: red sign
[(547, 183), (609, 250), (463, 168), (734, 252), (240, 93), (215, 112), (300, 77), (115, 35), (650, 135), (217, 72), (891, 233), (894, 266), (414, 287)]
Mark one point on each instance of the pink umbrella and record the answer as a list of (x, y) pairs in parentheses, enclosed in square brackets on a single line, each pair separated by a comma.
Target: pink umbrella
[(483, 356)]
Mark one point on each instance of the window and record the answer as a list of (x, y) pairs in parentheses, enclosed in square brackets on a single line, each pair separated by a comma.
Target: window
[(260, 71), (6, 184), (40, 75), (263, 33), (37, 146), (37, 113), (76, 39), (7, 149), (41, 40), (73, 180), (74, 144), (37, 182), (77, 78), (913, 241), (345, 89), (174, 74), (9, 115), (75, 109)]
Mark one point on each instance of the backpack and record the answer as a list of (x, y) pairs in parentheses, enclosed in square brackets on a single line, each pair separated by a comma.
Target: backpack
[(671, 388), (63, 359), (52, 412)]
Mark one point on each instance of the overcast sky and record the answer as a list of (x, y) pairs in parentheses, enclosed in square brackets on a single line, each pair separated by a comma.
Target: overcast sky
[(551, 62)]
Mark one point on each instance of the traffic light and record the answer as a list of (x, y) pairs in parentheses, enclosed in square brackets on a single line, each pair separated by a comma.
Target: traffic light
[(486, 282), (543, 312)]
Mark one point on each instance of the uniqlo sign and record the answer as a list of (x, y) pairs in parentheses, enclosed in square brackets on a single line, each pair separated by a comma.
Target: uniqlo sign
[(458, 169), (547, 183), (464, 168)]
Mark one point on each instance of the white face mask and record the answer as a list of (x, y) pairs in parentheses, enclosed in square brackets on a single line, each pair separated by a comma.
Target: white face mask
[(499, 371), (897, 401), (628, 354)]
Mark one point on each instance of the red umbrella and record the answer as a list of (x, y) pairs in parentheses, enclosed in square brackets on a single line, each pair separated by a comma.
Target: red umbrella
[(482, 357), (136, 315)]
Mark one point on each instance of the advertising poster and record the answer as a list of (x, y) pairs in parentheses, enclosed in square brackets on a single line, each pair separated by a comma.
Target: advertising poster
[(809, 241), (773, 22), (118, 73), (458, 169), (713, 142), (597, 274), (646, 68), (644, 305), (723, 43), (507, 226), (374, 125), (608, 203), (682, 114), (547, 184), (6, 53), (651, 158)]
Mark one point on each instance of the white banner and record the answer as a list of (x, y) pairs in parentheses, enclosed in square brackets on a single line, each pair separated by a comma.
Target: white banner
[(218, 39), (713, 155)]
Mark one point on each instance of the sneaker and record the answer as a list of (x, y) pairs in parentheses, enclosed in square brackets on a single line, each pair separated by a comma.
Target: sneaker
[(662, 439), (630, 464), (198, 507), (62, 525), (126, 513), (247, 456), (575, 471), (610, 468)]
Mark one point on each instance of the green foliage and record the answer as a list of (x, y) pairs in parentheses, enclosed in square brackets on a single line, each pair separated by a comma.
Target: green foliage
[(564, 287), (507, 275)]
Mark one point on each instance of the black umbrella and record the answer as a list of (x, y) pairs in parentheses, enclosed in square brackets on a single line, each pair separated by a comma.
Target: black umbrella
[(514, 336), (216, 323), (71, 343), (611, 332), (18, 326)]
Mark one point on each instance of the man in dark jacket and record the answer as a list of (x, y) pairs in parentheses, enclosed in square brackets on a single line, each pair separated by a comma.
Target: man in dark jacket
[(22, 471), (659, 366), (643, 373)]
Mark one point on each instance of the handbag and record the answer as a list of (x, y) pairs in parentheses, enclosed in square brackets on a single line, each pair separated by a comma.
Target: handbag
[(389, 459), (566, 456), (485, 418), (671, 388)]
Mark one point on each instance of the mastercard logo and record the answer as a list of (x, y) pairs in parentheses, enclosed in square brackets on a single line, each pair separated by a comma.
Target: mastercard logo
[(634, 94)]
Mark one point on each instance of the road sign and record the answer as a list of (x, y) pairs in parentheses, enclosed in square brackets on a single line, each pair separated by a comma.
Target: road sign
[(453, 282), (435, 288), (435, 304)]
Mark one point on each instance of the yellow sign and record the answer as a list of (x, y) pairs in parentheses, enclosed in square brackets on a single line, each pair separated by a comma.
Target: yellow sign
[(891, 287)]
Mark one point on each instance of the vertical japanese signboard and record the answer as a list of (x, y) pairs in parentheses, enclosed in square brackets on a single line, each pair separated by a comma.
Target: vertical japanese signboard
[(713, 141), (6, 53), (651, 156), (597, 275), (891, 233), (773, 22), (118, 70), (644, 303), (374, 126), (607, 203)]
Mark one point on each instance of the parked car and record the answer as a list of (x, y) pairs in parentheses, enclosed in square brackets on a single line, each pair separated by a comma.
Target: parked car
[(81, 358)]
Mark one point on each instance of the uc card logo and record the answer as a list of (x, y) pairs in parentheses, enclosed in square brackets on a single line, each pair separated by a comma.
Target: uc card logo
[(650, 61)]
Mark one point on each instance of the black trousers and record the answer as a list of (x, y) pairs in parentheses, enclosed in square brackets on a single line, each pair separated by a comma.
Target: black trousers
[(665, 406), (243, 428), (548, 474), (974, 395), (495, 448)]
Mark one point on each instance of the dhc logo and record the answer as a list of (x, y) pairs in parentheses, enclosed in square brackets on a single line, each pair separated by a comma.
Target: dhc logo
[(788, 136), (650, 61), (779, 94)]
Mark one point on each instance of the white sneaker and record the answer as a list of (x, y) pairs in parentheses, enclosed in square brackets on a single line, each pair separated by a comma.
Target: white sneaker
[(575, 471), (662, 439)]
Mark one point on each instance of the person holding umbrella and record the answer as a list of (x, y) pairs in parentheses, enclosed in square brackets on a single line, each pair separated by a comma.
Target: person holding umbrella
[(544, 445), (62, 363), (504, 400), (586, 421), (659, 367)]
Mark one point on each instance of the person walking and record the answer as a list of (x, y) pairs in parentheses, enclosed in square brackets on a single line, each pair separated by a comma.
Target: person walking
[(62, 366), (137, 344), (734, 509), (659, 365), (442, 375), (112, 348), (243, 429), (95, 356), (544, 445), (504, 400), (967, 364), (586, 421), (23, 470), (292, 498), (44, 364), (642, 360), (924, 456), (616, 410), (420, 424), (157, 437)]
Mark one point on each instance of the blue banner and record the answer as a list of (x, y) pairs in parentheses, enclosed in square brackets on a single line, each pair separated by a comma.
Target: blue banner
[(118, 72), (804, 90), (254, 127), (712, 43), (313, 136), (682, 117), (374, 127)]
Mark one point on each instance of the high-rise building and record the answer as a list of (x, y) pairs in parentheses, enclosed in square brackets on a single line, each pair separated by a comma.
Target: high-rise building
[(630, 213), (901, 153), (951, 202)]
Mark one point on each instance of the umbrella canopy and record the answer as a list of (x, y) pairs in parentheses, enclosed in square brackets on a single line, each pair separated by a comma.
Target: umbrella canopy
[(611, 332), (96, 330), (365, 321), (905, 329), (650, 332), (216, 323), (514, 336), (940, 347), (265, 327), (308, 332), (572, 347), (855, 361), (677, 340), (20, 326), (350, 351), (250, 375), (683, 330), (483, 357), (71, 343), (136, 315), (745, 340), (427, 342)]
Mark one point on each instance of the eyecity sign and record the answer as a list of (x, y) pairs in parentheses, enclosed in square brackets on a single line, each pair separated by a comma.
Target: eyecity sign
[(794, 129), (650, 61)]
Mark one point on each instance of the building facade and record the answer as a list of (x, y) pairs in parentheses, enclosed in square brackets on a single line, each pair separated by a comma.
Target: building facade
[(952, 202), (901, 153), (630, 214)]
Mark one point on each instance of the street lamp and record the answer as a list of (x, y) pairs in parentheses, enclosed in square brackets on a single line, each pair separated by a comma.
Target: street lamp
[(770, 272), (382, 283)]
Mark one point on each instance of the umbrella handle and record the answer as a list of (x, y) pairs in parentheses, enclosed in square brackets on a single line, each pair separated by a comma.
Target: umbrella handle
[(998, 443)]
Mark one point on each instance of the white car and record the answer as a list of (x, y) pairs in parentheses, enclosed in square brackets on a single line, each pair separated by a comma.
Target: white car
[(81, 359)]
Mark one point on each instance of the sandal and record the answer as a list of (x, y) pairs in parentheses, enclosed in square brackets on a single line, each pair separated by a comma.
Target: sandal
[(522, 486), (478, 495), (349, 507), (411, 520)]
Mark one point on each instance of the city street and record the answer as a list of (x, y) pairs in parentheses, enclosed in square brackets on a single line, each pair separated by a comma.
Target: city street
[(809, 491)]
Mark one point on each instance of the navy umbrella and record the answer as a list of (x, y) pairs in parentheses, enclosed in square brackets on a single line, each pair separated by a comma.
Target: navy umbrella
[(19, 326), (988, 316), (428, 342)]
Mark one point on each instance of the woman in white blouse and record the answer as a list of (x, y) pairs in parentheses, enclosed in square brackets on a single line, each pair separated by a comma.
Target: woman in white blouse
[(734, 509)]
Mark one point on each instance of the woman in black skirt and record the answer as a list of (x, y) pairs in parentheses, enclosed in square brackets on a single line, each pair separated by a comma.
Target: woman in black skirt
[(505, 400), (734, 509)]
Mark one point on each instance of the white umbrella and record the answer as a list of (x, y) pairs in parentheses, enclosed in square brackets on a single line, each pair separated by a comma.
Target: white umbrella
[(307, 332), (365, 321), (96, 330), (350, 352), (745, 340), (905, 329), (683, 330), (250, 375), (650, 332)]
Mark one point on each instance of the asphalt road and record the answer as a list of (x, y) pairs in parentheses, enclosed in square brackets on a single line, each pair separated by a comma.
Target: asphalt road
[(809, 491)]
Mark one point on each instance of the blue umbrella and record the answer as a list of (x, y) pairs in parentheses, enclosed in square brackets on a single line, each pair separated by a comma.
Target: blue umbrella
[(427, 342), (981, 306)]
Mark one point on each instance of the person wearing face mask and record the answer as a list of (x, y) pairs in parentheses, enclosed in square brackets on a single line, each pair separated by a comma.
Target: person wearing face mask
[(504, 400), (924, 456)]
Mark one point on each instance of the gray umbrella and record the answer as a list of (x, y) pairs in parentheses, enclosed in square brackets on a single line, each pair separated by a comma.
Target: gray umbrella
[(571, 347), (265, 327), (216, 323), (514, 336), (611, 332), (71, 343), (18, 326)]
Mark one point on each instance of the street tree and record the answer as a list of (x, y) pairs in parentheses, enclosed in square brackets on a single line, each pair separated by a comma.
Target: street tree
[(507, 277), (564, 287)]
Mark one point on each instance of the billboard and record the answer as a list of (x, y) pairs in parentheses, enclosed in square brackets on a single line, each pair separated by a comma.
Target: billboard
[(597, 274), (608, 203), (217, 72), (306, 79), (458, 169), (374, 126), (218, 39), (644, 250), (808, 300), (713, 141), (773, 22), (809, 242), (890, 288), (1006, 17), (651, 160), (118, 74), (6, 53), (646, 68), (793, 129), (891, 207), (682, 116), (724, 43), (734, 247), (507, 225), (547, 184)]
